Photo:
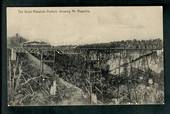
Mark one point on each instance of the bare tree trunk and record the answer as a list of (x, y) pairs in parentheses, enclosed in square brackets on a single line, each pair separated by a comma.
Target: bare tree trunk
[(10, 85), (118, 78), (53, 88), (13, 78), (18, 78)]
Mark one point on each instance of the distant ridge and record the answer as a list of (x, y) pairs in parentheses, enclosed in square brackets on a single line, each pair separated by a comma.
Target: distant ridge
[(128, 44), (17, 41)]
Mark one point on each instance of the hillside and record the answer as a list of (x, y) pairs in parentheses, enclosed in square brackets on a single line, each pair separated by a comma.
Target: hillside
[(34, 88)]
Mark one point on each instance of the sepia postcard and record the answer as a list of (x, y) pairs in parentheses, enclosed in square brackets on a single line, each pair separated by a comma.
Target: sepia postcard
[(85, 56)]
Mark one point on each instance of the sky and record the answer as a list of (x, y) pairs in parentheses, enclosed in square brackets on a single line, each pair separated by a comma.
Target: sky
[(85, 25)]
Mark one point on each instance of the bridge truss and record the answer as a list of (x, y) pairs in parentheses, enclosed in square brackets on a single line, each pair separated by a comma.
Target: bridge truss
[(92, 56)]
